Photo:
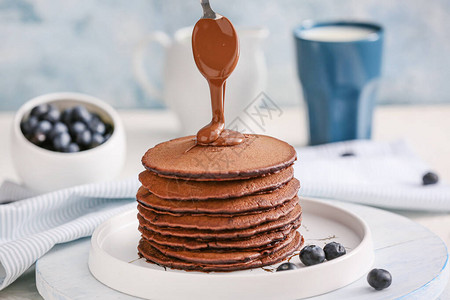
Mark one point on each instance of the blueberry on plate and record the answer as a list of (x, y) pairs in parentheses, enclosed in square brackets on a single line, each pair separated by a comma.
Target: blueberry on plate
[(73, 147), (40, 110), (312, 255), (77, 128), (379, 279), (62, 141), (52, 115), (84, 138), (286, 266), (58, 128), (97, 139), (430, 178), (333, 250), (348, 154), (80, 113)]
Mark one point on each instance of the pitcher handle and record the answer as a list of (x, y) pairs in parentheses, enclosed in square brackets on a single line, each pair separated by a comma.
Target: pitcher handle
[(138, 62)]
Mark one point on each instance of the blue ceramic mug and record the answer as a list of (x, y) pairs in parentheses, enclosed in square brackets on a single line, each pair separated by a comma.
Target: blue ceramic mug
[(339, 65)]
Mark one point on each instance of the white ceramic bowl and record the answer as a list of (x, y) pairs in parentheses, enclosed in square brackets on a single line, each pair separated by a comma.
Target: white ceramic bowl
[(44, 170)]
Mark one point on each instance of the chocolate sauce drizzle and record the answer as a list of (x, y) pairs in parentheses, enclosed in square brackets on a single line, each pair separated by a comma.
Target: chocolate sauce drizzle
[(215, 45)]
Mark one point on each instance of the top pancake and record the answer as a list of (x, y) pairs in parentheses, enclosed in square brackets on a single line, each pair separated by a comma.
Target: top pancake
[(258, 155)]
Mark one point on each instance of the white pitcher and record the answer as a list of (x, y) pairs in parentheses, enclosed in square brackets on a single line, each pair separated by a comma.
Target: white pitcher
[(186, 91)]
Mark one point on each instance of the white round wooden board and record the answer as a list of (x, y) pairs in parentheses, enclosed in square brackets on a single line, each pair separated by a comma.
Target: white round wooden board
[(416, 258)]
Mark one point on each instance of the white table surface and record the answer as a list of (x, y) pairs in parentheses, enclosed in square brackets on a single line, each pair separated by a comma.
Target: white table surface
[(426, 128)]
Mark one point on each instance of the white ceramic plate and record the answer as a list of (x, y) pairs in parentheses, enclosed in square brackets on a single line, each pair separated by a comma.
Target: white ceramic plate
[(113, 260)]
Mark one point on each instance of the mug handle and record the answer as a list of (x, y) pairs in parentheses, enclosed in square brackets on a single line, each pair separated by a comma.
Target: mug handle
[(139, 71)]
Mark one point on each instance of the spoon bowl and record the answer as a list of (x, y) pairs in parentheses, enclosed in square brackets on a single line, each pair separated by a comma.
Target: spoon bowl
[(215, 46)]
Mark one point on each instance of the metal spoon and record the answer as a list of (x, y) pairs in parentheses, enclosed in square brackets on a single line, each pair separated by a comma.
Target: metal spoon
[(208, 13)]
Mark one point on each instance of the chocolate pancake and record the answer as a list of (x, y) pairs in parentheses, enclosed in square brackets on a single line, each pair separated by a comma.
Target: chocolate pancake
[(291, 219), (211, 256), (253, 242), (217, 222), (236, 206), (188, 189), (258, 155), (153, 255)]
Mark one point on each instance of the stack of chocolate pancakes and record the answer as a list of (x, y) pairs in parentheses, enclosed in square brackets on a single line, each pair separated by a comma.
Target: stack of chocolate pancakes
[(225, 208)]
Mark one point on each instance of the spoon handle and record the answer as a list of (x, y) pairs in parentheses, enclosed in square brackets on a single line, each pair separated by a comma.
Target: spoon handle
[(208, 13)]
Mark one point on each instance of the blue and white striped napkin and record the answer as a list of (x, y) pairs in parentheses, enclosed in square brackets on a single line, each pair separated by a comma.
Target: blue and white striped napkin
[(29, 228), (380, 174)]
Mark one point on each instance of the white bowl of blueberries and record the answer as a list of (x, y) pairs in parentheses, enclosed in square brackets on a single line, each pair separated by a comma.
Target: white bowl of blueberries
[(66, 139)]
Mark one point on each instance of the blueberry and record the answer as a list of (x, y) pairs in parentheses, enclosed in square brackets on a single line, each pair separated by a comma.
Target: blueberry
[(44, 126), (40, 110), (84, 138), (97, 139), (333, 250), (66, 116), (28, 125), (109, 128), (52, 115), (58, 128), (47, 145), (25, 128), (286, 266), (40, 132), (107, 136), (97, 126), (38, 138), (80, 113), (430, 178), (77, 128), (95, 117), (33, 121), (312, 255), (379, 279), (73, 147), (347, 154), (61, 141)]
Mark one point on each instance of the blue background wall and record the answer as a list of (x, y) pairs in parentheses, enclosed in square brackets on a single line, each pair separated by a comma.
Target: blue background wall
[(87, 45)]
